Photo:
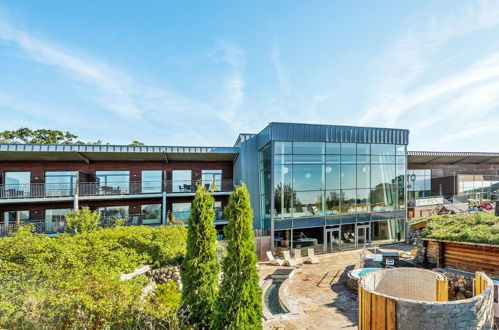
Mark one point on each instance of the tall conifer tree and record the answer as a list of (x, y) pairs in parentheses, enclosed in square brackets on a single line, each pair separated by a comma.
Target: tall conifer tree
[(201, 268), (239, 304)]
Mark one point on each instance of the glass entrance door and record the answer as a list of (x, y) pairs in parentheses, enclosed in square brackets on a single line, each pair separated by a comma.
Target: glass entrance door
[(333, 239), (362, 235)]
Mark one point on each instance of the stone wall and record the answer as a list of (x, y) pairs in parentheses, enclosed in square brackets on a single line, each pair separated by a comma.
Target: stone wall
[(473, 313), (460, 284)]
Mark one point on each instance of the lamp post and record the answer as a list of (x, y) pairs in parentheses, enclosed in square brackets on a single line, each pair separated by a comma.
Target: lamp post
[(496, 193)]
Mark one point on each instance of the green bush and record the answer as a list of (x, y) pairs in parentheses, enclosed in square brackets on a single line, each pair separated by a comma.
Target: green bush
[(479, 227), (74, 281), (82, 221)]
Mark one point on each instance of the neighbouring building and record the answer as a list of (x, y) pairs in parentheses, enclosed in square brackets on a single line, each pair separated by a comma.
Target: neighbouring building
[(322, 186)]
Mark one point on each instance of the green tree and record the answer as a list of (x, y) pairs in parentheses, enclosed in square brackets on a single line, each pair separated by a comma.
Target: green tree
[(137, 143), (239, 304), (82, 221), (201, 268)]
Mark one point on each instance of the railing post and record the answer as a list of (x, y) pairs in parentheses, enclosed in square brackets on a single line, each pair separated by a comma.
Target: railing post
[(75, 202), (163, 209)]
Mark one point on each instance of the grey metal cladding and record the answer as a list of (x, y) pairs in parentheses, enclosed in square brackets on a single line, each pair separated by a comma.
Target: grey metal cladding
[(331, 133)]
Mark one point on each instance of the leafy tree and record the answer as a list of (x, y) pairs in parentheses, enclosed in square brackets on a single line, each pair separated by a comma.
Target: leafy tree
[(201, 268), (82, 221), (239, 304), (47, 136)]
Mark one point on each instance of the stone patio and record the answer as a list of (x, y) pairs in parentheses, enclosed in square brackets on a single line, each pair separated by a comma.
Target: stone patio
[(330, 305)]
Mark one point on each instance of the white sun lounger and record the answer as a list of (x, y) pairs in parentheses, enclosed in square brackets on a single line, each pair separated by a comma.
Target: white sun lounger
[(312, 259), (288, 260), (273, 260), (298, 258)]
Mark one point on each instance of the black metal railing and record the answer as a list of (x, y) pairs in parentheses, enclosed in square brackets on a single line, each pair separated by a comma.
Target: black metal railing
[(47, 190)]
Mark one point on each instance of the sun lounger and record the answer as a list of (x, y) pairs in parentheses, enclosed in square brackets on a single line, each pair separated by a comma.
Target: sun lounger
[(298, 258), (273, 261), (288, 260), (312, 259)]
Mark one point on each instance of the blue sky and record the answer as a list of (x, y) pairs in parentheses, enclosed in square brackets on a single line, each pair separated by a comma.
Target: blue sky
[(200, 72)]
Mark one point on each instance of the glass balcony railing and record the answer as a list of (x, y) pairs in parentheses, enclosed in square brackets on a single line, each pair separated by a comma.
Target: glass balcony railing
[(46, 190)]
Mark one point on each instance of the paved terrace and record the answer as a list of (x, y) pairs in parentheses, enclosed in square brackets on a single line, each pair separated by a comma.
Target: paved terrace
[(331, 305)]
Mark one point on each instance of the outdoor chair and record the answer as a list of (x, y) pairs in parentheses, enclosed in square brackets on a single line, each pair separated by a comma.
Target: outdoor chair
[(298, 258), (410, 255), (312, 259), (288, 260), (273, 261)]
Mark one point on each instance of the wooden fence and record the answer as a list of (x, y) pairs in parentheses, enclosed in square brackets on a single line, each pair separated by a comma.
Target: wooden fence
[(464, 256), (376, 311)]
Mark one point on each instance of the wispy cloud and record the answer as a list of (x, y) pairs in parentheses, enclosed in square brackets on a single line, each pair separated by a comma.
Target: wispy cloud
[(281, 73), (234, 85), (393, 97)]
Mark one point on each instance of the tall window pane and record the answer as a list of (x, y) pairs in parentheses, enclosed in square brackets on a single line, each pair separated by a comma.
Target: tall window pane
[(363, 176), (212, 179), (348, 176), (181, 211), (332, 176), (348, 200), (308, 177), (282, 147), (152, 181), (332, 202), (182, 181)]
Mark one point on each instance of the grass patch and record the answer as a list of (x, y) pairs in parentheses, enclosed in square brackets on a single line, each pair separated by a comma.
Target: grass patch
[(479, 227)]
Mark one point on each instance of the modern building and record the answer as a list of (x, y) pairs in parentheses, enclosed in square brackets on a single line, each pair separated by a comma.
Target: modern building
[(322, 186)]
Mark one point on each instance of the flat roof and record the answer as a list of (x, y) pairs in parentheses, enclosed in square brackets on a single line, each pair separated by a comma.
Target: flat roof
[(442, 157), (106, 152)]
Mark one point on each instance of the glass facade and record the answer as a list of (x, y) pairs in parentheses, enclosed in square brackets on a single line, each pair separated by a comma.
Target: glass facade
[(113, 212), (478, 187), (11, 217), (318, 184), (418, 183)]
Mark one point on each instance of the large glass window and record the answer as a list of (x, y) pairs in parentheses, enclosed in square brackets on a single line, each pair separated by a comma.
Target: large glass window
[(212, 179), (55, 220), (182, 181), (265, 169), (151, 214), (17, 184), (308, 203), (113, 212), (348, 201), (332, 202), (11, 217), (113, 181), (181, 211), (151, 181), (60, 183)]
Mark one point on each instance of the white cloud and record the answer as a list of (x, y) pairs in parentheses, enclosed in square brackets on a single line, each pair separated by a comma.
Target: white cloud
[(411, 56)]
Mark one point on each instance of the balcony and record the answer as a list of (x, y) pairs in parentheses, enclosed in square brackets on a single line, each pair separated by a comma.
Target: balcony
[(87, 189), (60, 226)]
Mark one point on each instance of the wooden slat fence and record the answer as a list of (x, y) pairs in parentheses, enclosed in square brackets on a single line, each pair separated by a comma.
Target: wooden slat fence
[(376, 311)]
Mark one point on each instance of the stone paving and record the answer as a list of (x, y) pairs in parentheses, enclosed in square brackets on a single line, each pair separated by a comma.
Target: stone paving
[(330, 305)]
